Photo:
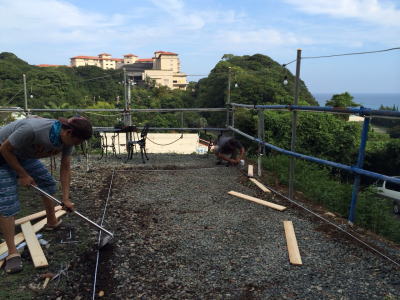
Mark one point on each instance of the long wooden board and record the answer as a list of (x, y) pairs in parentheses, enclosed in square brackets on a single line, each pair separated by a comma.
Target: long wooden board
[(250, 171), (35, 216), (259, 201), (260, 185), (38, 258), (19, 238), (293, 248)]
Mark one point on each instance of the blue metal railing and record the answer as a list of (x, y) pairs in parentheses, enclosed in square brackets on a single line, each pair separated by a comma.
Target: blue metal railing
[(362, 111), (357, 170)]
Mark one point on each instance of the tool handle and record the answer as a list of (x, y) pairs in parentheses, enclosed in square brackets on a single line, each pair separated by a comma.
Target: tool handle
[(74, 211)]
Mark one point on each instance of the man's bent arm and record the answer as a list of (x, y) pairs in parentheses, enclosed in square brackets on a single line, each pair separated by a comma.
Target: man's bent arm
[(224, 157)]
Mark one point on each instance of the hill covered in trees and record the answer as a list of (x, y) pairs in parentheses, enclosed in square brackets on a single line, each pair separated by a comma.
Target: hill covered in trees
[(256, 79)]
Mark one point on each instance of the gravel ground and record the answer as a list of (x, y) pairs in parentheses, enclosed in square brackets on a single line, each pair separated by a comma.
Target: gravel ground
[(179, 235)]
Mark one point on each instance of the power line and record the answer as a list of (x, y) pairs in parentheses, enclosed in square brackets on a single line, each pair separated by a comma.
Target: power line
[(343, 54), (12, 98)]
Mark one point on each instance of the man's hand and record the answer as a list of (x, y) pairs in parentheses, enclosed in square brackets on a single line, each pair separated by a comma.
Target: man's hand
[(235, 161), (26, 181), (68, 205)]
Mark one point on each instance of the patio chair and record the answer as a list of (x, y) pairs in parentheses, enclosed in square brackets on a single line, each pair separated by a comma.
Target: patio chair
[(141, 142)]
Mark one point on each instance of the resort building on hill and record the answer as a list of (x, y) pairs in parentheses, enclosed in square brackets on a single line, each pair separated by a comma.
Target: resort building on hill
[(163, 68)]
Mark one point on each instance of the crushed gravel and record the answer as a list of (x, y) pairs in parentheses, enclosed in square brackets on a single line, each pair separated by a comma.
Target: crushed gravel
[(179, 235)]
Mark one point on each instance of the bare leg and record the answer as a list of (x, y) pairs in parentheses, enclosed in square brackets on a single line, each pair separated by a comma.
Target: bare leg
[(49, 206), (7, 226)]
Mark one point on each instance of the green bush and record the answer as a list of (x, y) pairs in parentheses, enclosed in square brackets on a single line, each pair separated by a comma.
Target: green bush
[(317, 184)]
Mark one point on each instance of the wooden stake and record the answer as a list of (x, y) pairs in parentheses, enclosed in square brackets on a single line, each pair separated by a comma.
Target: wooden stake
[(37, 254), (35, 216), (250, 172), (260, 185), (46, 281), (19, 238), (259, 201), (293, 249)]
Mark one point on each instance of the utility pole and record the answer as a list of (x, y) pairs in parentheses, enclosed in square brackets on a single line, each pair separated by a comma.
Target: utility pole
[(129, 103), (25, 96), (294, 124), (228, 100), (125, 99)]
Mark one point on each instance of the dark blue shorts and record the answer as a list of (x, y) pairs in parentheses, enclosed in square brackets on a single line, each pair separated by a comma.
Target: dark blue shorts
[(9, 203)]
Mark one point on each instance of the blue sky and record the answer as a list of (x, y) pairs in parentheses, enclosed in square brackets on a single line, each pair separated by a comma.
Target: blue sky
[(52, 31)]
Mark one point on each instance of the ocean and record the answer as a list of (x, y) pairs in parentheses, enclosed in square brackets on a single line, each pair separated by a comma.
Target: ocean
[(373, 101)]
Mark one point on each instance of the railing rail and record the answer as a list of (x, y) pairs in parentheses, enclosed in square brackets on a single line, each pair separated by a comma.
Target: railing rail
[(362, 111)]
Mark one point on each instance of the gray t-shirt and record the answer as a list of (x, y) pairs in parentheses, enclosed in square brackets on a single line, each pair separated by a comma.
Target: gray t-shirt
[(30, 138)]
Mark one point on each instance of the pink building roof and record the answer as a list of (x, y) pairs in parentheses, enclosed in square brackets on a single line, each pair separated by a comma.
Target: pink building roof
[(165, 52)]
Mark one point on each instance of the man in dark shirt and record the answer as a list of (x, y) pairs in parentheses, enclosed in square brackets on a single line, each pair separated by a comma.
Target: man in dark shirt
[(230, 150)]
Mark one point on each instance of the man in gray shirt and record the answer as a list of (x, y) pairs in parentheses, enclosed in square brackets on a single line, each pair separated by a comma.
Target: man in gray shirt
[(22, 143)]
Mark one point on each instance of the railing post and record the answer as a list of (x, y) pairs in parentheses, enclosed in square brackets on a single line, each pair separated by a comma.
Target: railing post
[(294, 124), (360, 163), (261, 136)]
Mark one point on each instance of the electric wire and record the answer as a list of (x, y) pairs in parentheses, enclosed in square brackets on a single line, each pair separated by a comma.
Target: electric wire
[(344, 54), (100, 233), (336, 226), (12, 98)]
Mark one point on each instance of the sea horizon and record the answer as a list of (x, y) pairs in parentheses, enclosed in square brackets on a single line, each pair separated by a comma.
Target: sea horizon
[(369, 100)]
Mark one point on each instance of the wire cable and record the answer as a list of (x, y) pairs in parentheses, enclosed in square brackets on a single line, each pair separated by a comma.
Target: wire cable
[(343, 54), (336, 226), (181, 137), (12, 98), (100, 233)]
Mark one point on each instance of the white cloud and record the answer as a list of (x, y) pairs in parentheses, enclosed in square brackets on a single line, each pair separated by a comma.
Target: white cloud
[(52, 21), (261, 38), (184, 18), (383, 12)]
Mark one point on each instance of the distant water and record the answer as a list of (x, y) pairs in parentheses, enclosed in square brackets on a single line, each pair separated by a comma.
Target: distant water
[(367, 100)]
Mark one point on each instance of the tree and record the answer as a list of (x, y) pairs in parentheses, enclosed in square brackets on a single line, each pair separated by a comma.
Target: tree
[(342, 100)]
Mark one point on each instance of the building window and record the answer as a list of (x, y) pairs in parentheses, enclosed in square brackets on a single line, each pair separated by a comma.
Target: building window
[(175, 81)]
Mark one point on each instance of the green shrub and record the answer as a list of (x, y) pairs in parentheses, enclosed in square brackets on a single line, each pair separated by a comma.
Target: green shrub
[(316, 183)]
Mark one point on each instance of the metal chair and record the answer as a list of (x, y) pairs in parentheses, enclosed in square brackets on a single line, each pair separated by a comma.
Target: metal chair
[(141, 142)]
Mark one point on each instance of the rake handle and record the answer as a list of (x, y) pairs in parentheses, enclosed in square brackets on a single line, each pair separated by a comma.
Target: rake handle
[(74, 211)]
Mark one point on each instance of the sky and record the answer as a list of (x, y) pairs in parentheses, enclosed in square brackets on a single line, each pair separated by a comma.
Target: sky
[(201, 32)]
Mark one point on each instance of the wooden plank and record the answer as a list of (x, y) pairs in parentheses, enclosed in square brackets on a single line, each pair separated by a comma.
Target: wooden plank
[(293, 248), (38, 258), (35, 216), (259, 201), (250, 171), (260, 185), (19, 238)]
